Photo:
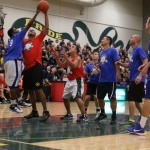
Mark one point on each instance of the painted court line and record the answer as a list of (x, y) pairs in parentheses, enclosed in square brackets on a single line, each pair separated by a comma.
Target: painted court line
[(15, 141)]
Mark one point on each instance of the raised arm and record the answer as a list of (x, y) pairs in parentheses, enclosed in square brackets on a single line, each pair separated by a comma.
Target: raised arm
[(56, 56), (46, 24), (32, 20)]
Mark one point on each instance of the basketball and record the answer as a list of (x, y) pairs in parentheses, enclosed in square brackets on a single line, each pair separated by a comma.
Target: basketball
[(43, 6)]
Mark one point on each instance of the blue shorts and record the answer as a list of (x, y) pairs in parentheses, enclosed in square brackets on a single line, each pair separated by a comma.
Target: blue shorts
[(147, 95)]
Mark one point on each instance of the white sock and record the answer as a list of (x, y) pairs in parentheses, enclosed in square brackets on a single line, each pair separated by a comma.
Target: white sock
[(13, 101), (98, 108), (143, 121), (19, 99)]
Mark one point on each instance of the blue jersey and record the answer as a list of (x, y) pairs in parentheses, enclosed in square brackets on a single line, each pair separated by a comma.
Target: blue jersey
[(148, 60), (15, 46), (135, 60), (107, 65), (93, 78)]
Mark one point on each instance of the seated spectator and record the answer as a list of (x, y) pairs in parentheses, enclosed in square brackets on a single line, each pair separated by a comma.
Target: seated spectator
[(3, 88), (52, 61), (62, 43), (123, 83), (47, 84), (44, 54), (50, 42), (44, 68)]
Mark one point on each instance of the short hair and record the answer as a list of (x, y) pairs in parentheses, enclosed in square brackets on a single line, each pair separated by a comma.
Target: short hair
[(110, 40), (77, 47), (95, 51), (10, 32)]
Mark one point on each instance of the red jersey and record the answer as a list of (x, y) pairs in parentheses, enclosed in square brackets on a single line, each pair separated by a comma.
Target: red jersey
[(1, 32), (32, 52), (76, 72), (2, 83)]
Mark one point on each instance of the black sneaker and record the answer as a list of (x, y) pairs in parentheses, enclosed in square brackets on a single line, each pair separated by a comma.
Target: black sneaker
[(67, 117), (8, 101), (45, 116), (27, 101), (82, 118), (23, 104), (33, 114), (1, 100), (101, 117), (113, 119), (15, 108)]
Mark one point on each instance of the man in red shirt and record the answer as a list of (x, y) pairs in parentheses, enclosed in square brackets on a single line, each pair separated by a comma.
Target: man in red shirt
[(74, 87), (32, 78)]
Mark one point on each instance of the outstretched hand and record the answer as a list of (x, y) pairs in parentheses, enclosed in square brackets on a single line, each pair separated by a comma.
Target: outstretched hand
[(54, 52)]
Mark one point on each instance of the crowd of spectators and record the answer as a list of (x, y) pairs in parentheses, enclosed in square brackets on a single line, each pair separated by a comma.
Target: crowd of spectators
[(85, 53), (51, 71)]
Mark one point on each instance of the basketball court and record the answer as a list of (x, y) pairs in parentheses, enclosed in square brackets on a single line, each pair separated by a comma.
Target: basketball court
[(17, 133)]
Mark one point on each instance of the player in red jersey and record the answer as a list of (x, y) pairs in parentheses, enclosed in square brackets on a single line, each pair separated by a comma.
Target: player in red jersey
[(33, 76), (74, 87)]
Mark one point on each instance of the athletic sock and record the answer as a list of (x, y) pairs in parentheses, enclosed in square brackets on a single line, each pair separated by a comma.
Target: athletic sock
[(97, 108), (13, 101), (19, 99), (143, 121), (114, 113)]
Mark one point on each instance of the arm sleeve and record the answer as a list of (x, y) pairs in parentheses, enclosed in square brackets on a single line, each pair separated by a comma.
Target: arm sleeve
[(142, 53), (22, 33), (115, 55), (86, 69), (41, 36)]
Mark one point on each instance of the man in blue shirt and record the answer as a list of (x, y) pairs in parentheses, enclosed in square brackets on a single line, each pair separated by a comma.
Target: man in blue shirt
[(92, 71), (138, 128), (137, 57), (108, 78), (13, 65)]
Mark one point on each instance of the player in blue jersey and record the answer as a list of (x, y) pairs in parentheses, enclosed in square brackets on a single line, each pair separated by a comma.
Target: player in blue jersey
[(108, 78), (138, 128), (13, 64), (137, 57), (92, 71)]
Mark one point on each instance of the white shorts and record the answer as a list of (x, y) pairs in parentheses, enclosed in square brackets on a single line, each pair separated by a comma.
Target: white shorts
[(13, 70), (74, 89)]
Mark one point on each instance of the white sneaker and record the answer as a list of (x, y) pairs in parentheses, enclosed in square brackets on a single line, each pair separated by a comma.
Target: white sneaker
[(15, 108), (23, 104), (97, 114)]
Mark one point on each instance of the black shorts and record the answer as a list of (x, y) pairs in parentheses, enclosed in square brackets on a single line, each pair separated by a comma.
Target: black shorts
[(106, 88), (136, 92), (33, 77), (91, 88)]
